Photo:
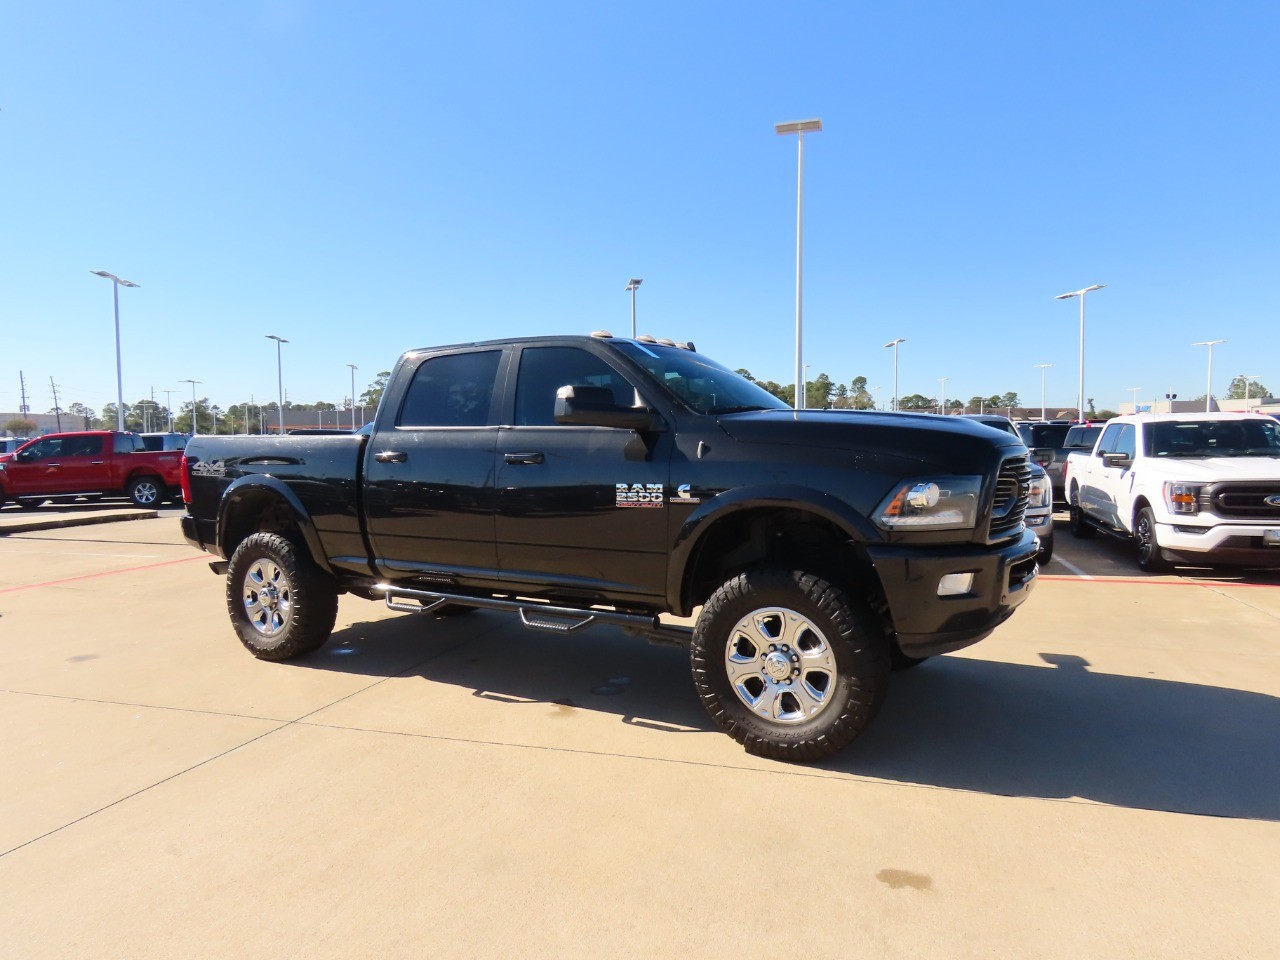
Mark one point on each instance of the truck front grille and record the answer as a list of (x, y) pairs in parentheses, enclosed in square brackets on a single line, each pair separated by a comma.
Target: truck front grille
[(1013, 489), (1242, 500)]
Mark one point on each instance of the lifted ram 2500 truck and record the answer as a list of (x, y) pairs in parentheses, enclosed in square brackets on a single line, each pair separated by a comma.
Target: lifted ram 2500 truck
[(580, 480)]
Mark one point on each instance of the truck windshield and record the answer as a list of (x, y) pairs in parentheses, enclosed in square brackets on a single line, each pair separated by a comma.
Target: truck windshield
[(1213, 438), (700, 383)]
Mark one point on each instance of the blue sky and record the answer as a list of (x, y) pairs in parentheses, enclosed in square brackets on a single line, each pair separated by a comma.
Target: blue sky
[(362, 179)]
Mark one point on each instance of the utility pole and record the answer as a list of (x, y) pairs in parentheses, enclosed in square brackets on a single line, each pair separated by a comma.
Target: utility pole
[(23, 408), (56, 412)]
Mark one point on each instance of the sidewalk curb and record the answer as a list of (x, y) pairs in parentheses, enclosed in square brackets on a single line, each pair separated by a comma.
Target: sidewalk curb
[(53, 523)]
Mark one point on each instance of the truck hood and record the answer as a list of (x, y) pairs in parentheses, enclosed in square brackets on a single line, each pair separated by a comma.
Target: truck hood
[(1209, 469), (953, 444)]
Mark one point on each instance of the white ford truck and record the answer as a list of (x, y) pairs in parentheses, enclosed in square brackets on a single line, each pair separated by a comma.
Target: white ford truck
[(1200, 489)]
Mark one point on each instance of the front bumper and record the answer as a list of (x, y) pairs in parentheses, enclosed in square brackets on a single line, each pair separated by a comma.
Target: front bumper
[(928, 624), (1238, 544), (1041, 525)]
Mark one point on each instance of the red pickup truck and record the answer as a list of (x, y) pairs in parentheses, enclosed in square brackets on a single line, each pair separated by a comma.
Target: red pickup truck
[(91, 462)]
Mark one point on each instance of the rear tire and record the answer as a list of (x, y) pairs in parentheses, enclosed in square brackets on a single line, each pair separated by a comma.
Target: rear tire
[(1079, 526), (789, 665), (281, 604), (145, 491), (1144, 534)]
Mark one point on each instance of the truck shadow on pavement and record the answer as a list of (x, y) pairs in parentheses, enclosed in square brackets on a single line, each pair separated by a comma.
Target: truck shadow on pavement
[(1055, 731)]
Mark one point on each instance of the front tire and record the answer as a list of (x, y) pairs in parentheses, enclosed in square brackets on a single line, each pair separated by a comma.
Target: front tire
[(1144, 534), (789, 665), (1046, 550), (145, 491), (281, 604)]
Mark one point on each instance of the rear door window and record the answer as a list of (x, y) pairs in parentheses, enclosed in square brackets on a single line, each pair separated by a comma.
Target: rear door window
[(455, 390)]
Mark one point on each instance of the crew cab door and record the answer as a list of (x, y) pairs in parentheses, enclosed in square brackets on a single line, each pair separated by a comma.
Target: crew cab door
[(1104, 487), (68, 463), (429, 470), (583, 507)]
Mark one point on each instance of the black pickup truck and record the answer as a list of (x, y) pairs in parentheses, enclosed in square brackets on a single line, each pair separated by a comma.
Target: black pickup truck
[(580, 480)]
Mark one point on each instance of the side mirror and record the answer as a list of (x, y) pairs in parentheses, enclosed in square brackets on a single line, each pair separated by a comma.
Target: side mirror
[(1117, 459), (594, 407)]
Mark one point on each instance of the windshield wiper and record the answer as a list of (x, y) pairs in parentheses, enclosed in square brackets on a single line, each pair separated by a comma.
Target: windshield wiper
[(744, 408)]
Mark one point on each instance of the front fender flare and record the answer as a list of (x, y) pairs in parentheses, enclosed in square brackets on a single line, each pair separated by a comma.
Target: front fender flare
[(765, 496)]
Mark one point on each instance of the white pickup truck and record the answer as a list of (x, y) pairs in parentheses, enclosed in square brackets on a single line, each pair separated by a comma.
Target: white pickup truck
[(1200, 488)]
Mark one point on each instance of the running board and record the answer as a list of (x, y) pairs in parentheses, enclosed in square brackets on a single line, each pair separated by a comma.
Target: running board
[(537, 616)]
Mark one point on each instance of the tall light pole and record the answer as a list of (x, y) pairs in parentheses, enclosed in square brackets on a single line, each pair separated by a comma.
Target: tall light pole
[(799, 128), (116, 284), (1135, 397), (804, 402), (194, 421), (354, 368), (168, 406), (632, 284), (942, 394), (1042, 367), (875, 398), (1068, 296), (279, 376), (1246, 379), (1208, 393), (894, 344)]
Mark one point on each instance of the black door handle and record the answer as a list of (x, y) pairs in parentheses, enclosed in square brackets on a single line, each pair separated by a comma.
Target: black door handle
[(391, 456), (523, 457)]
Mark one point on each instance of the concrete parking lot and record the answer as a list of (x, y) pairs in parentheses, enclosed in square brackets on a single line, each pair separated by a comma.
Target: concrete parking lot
[(1100, 778)]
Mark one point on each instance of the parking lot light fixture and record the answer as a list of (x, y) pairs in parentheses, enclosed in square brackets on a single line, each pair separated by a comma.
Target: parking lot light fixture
[(632, 285), (1081, 295), (942, 394), (279, 376), (116, 284), (799, 128), (194, 421), (894, 344), (1135, 397), (1208, 391), (1042, 367), (354, 368)]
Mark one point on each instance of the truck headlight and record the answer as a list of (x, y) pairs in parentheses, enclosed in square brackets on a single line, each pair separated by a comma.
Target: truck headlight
[(1182, 497), (1041, 493), (931, 503)]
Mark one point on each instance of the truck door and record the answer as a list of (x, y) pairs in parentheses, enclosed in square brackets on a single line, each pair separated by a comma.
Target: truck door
[(579, 505), (56, 464), (429, 472), (85, 465)]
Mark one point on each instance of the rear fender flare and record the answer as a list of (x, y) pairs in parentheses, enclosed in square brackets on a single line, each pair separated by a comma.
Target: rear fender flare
[(242, 489)]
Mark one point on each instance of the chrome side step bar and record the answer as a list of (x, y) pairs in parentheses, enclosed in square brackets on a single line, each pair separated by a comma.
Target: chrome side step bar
[(537, 616)]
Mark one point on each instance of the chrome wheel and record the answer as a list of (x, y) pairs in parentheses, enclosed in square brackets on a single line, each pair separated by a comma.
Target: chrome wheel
[(268, 597), (780, 665), (145, 493)]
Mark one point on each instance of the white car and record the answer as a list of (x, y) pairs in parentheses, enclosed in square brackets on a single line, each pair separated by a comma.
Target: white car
[(1199, 488)]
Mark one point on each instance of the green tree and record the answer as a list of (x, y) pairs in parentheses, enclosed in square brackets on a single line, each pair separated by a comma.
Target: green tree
[(861, 398), (20, 427), (841, 399), (745, 374), (1237, 389), (817, 392), (917, 401), (373, 395)]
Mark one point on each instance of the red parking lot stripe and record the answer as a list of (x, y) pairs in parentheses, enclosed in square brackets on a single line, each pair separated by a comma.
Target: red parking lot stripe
[(104, 573), (1159, 583)]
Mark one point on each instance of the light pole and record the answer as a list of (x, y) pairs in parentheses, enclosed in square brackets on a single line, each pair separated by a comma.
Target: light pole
[(1068, 296), (279, 376), (804, 401), (875, 398), (194, 422), (168, 406), (942, 394), (799, 128), (1042, 367), (1208, 393), (894, 344), (632, 284), (354, 368), (1246, 380), (116, 284), (1135, 397)]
